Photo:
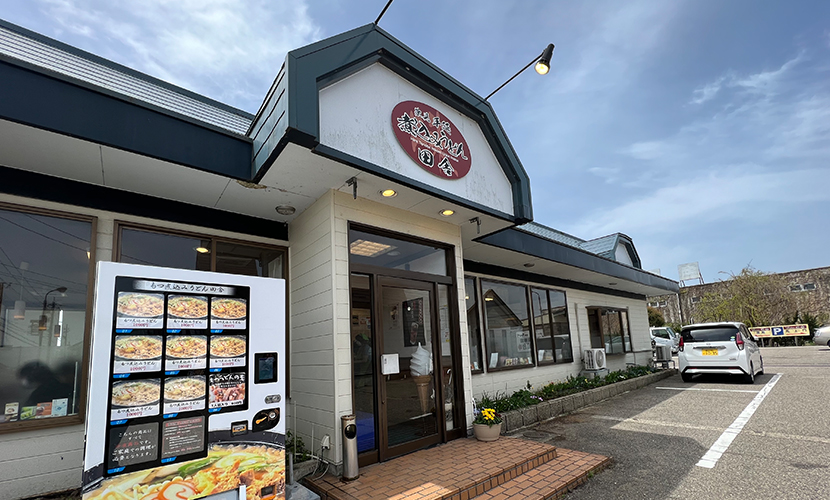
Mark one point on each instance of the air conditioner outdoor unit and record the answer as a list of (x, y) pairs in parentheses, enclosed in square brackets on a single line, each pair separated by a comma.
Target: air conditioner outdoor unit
[(594, 359)]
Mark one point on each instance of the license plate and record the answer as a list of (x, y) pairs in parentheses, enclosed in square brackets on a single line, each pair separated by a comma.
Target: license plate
[(710, 352)]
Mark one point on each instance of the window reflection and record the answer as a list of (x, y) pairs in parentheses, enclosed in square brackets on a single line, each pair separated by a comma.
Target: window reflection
[(473, 328), (44, 271), (394, 253), (164, 250), (508, 329)]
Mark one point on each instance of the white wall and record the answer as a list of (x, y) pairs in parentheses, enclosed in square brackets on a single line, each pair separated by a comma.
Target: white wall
[(509, 381), (356, 118), (47, 460), (311, 280)]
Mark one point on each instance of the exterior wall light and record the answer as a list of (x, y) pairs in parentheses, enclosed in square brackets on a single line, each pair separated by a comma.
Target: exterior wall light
[(202, 250), (389, 193), (543, 64), (447, 212), (542, 67), (285, 210)]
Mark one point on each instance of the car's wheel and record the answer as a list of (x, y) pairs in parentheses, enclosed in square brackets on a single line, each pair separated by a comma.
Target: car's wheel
[(687, 377), (762, 367), (828, 343), (750, 378)]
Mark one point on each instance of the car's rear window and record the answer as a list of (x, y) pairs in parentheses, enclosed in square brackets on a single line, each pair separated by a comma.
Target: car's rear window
[(710, 334), (661, 333)]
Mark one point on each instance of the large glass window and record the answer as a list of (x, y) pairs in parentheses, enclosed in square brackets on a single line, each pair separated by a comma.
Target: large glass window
[(200, 253), (473, 325), (44, 275), (395, 253), (609, 330), (550, 324), (508, 329)]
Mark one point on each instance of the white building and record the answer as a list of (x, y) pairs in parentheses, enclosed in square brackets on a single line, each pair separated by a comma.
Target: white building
[(99, 162)]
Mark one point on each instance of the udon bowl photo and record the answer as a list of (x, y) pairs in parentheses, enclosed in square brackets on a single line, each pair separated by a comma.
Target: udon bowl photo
[(228, 308), (137, 347), (186, 346), (140, 305), (136, 393), (187, 307), (184, 388), (226, 467), (227, 347)]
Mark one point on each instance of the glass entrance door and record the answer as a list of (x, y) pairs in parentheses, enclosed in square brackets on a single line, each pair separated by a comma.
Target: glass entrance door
[(409, 391)]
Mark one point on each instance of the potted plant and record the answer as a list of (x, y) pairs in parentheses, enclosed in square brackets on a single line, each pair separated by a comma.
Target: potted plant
[(487, 425)]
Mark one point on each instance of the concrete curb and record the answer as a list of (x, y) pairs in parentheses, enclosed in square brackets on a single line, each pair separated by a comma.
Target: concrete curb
[(546, 410)]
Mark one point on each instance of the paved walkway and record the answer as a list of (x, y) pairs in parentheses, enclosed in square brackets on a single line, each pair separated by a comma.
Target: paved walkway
[(465, 469)]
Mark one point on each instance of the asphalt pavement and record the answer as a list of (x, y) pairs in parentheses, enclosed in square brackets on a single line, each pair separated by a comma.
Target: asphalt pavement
[(714, 438)]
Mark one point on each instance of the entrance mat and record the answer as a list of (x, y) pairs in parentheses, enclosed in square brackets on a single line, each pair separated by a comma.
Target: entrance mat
[(457, 470)]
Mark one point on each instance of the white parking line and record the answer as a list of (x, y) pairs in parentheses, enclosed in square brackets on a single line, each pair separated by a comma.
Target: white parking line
[(722, 444), (700, 389)]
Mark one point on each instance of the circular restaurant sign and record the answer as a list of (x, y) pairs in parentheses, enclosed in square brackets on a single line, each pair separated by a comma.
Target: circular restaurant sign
[(431, 140)]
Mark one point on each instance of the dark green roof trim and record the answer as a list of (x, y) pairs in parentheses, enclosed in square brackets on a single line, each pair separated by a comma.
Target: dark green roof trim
[(529, 244), (314, 66), (505, 272)]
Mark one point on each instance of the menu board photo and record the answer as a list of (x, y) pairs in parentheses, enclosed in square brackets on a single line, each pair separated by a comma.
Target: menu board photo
[(170, 367)]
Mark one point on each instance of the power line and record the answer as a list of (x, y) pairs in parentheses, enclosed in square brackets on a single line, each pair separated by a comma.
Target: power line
[(43, 235)]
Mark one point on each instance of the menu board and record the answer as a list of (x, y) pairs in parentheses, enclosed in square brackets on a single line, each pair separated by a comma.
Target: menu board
[(179, 352), (186, 388)]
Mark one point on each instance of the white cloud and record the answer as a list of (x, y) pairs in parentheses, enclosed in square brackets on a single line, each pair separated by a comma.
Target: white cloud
[(735, 192), (227, 49), (707, 92)]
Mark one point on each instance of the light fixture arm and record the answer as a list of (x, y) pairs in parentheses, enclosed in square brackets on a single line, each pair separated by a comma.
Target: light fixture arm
[(544, 57), (353, 183), (383, 11)]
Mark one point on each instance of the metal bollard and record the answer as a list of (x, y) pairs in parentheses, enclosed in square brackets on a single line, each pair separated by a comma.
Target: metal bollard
[(349, 428)]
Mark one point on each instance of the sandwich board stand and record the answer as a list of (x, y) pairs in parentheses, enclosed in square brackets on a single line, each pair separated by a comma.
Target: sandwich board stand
[(187, 386)]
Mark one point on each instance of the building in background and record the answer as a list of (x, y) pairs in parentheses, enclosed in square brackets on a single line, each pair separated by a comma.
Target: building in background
[(809, 290), (385, 192)]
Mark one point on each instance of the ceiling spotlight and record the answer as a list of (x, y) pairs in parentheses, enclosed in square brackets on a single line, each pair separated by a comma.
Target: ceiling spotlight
[(389, 193), (202, 249), (529, 264), (447, 212), (285, 210), (613, 283), (543, 64)]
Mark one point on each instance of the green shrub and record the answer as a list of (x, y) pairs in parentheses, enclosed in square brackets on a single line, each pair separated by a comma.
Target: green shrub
[(526, 397), (297, 448)]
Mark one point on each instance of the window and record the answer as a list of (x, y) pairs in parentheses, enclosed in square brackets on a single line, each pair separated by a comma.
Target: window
[(45, 269), (662, 303), (609, 330), (695, 300), (396, 253), (201, 253), (473, 327), (654, 304), (795, 288), (809, 286), (508, 330), (550, 325)]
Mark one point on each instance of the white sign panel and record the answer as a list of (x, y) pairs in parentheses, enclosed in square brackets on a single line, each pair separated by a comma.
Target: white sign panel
[(184, 371)]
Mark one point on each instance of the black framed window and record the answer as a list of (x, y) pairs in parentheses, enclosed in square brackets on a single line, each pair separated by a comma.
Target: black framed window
[(508, 339), (473, 324), (551, 328), (46, 263), (609, 330), (396, 253)]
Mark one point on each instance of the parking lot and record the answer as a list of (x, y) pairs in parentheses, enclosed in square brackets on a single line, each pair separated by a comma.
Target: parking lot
[(713, 438)]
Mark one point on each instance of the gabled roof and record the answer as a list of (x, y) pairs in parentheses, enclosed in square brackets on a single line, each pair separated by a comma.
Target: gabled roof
[(604, 246)]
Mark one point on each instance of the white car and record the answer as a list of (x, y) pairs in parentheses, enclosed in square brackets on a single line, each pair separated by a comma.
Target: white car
[(664, 335), (725, 348), (822, 335)]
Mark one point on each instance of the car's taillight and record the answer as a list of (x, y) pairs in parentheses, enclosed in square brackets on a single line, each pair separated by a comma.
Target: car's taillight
[(739, 341), (680, 346)]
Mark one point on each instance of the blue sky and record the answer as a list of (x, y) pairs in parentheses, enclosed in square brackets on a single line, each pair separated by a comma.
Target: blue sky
[(699, 128)]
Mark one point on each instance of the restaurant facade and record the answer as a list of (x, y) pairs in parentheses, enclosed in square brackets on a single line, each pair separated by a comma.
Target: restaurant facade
[(382, 190)]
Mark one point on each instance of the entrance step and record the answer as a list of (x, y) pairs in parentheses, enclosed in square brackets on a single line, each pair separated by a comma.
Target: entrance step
[(461, 467), (551, 480), (465, 469)]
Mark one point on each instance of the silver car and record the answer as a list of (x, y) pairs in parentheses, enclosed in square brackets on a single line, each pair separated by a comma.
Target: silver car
[(822, 335), (664, 335)]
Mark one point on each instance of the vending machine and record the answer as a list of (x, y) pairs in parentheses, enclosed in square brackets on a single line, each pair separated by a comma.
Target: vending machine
[(187, 385)]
